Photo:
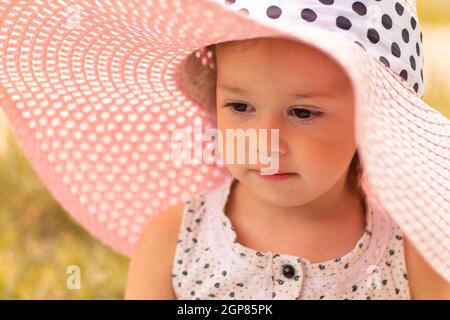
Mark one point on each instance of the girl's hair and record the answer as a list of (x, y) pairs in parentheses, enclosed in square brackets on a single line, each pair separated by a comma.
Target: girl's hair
[(355, 174), (199, 83)]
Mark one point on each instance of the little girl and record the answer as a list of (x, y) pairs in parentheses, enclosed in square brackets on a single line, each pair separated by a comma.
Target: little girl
[(307, 232)]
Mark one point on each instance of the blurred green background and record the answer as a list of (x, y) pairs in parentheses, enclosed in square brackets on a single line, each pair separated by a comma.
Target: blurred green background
[(38, 240)]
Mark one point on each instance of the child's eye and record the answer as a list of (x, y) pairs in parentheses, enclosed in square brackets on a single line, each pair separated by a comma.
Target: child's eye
[(236, 106), (300, 113), (305, 114)]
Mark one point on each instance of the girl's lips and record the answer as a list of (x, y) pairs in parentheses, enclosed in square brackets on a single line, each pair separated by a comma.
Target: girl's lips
[(277, 176)]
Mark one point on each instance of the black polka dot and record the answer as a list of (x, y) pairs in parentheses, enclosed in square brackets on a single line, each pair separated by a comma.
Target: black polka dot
[(327, 2), (405, 35), (229, 2), (416, 87), (412, 61), (386, 63), (343, 23), (421, 74), (354, 288), (399, 8), (373, 35), (404, 74), (413, 23), (386, 21), (395, 49), (308, 15), (421, 36), (273, 12), (418, 49), (359, 8)]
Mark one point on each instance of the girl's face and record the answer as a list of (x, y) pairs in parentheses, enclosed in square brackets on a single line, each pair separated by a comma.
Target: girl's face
[(282, 84)]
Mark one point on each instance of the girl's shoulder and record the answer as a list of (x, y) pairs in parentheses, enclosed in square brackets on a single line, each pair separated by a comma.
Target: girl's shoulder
[(408, 264), (149, 273), (424, 281)]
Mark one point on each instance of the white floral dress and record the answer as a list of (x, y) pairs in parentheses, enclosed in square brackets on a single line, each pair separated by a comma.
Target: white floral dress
[(210, 264)]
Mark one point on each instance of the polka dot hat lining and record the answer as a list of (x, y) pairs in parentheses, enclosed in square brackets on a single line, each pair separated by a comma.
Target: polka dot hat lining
[(93, 91), (383, 28)]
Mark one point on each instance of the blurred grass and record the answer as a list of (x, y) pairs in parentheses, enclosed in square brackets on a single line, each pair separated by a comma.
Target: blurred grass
[(438, 95), (38, 240), (434, 17), (433, 12)]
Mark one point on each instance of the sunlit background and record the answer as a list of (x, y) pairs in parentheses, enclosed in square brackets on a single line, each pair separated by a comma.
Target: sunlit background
[(38, 240)]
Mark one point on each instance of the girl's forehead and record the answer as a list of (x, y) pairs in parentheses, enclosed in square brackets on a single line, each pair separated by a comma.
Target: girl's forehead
[(271, 62), (276, 53), (278, 46)]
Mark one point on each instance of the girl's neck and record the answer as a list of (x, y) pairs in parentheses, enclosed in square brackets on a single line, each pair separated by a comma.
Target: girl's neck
[(338, 202), (325, 228)]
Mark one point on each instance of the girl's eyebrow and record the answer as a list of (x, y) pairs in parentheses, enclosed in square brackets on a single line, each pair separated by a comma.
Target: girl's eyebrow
[(231, 89), (239, 91)]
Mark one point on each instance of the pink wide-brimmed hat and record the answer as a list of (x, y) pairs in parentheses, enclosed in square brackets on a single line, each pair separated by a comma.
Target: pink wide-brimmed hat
[(94, 89)]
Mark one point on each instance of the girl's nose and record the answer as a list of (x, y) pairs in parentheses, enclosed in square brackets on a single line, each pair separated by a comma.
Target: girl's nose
[(272, 141), (281, 149)]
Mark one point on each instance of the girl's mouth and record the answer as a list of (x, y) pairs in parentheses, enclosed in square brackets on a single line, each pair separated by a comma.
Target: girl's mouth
[(277, 176)]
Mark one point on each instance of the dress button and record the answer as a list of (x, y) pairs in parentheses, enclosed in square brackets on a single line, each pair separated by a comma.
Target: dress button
[(288, 271)]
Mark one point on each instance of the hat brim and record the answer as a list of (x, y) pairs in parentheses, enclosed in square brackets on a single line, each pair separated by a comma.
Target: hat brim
[(85, 102)]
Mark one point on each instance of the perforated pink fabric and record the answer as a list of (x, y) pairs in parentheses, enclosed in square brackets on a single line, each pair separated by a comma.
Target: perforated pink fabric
[(92, 90)]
